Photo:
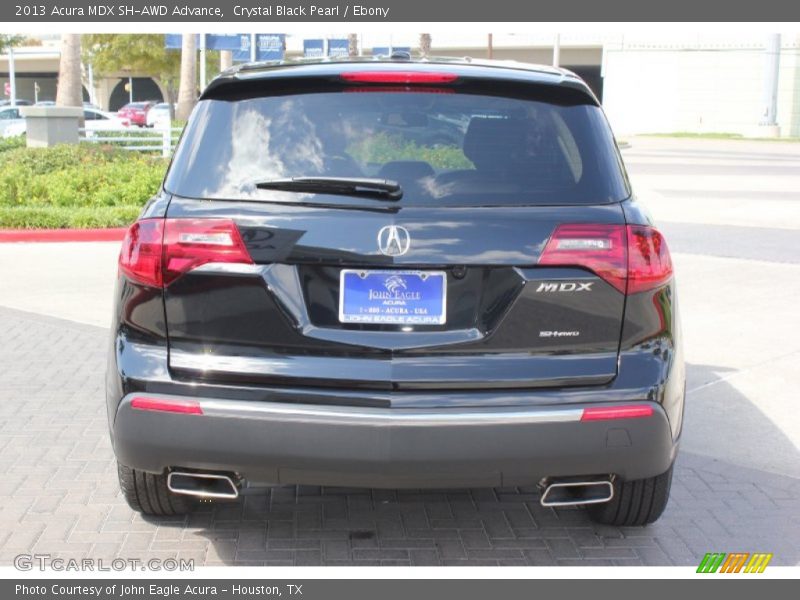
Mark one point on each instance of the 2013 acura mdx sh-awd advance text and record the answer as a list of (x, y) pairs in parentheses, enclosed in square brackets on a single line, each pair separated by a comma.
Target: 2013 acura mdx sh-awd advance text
[(397, 273)]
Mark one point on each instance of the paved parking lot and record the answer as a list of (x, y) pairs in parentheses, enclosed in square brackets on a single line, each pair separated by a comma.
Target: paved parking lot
[(733, 225)]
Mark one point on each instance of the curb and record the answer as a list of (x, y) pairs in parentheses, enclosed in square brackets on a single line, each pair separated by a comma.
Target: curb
[(63, 235)]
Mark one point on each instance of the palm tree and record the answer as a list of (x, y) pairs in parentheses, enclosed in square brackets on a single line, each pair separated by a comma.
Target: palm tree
[(425, 44), (352, 44), (70, 89), (187, 92)]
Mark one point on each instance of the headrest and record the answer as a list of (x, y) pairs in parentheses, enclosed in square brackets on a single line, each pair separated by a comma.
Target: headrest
[(493, 144), (404, 170)]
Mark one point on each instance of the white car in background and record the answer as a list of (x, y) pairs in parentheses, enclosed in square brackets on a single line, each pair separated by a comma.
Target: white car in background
[(11, 121), (158, 116), (95, 120)]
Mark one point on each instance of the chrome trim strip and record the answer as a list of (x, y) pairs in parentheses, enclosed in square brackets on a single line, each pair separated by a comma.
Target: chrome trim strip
[(384, 416), (376, 417)]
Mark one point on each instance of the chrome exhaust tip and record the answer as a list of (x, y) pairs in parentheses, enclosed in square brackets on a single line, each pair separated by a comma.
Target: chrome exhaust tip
[(577, 493), (202, 485)]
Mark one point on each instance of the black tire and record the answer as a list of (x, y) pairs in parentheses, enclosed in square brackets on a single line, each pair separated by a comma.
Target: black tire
[(148, 494), (635, 503)]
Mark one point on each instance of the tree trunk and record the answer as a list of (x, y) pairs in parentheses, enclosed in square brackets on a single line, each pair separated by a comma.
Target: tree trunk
[(187, 92), (70, 91), (225, 60), (352, 44), (425, 44)]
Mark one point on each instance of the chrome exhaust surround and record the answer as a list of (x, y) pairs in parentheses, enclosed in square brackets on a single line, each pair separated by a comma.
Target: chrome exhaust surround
[(202, 485)]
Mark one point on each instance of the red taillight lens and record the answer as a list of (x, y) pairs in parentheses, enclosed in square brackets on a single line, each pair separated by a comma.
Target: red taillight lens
[(156, 252), (398, 77), (649, 262), (186, 407), (141, 254), (632, 258), (637, 411), (599, 248), (189, 243)]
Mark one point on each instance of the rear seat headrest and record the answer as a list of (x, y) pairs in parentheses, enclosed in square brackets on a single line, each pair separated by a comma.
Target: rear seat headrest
[(494, 143)]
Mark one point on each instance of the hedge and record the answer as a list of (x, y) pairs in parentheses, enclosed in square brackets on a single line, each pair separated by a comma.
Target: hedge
[(85, 185)]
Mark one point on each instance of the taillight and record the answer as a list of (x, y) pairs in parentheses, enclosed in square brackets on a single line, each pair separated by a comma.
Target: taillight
[(649, 262), (398, 77), (156, 252), (632, 258), (189, 243), (142, 252), (599, 248)]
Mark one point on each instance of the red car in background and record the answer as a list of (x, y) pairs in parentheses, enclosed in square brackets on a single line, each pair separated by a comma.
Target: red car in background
[(136, 112)]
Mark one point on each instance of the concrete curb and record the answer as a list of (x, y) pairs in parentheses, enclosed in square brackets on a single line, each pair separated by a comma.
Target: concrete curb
[(62, 235)]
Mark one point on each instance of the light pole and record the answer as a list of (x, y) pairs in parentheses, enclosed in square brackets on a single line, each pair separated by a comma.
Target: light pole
[(769, 114), (12, 77), (557, 50)]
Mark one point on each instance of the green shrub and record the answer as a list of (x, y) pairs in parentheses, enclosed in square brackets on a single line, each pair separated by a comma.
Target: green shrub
[(57, 217), (75, 185), (12, 143), (382, 148)]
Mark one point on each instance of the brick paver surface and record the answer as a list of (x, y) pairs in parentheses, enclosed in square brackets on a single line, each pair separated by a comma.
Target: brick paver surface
[(59, 495)]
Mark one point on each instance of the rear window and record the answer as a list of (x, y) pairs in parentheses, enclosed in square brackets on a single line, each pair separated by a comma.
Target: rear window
[(444, 149)]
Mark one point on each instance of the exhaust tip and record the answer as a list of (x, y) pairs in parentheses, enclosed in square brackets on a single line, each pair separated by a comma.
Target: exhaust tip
[(202, 485), (577, 493)]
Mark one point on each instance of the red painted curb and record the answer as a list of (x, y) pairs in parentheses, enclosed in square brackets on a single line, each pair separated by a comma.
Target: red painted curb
[(62, 235)]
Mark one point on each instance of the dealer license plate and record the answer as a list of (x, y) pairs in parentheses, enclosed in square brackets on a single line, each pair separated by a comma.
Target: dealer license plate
[(399, 297)]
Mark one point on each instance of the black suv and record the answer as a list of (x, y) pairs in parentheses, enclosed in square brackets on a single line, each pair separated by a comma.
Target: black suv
[(320, 294)]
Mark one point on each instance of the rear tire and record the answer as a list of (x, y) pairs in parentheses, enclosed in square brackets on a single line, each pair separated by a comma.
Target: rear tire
[(635, 503), (148, 494)]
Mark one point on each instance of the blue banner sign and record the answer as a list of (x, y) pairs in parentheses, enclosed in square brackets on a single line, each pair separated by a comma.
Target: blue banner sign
[(269, 46), (338, 48), (313, 48)]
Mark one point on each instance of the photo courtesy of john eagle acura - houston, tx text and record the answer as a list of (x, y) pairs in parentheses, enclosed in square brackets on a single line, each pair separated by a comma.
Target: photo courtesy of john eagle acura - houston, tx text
[(397, 273)]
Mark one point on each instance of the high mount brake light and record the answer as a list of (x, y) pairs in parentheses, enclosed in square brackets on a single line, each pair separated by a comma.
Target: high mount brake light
[(399, 89), (396, 77), (156, 252), (632, 258)]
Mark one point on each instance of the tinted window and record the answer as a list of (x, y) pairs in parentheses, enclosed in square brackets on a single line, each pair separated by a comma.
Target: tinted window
[(443, 148)]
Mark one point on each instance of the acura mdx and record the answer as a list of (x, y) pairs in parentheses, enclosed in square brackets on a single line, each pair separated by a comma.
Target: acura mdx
[(397, 273)]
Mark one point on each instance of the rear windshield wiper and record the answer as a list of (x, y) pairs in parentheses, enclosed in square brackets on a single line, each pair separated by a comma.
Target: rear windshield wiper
[(362, 187)]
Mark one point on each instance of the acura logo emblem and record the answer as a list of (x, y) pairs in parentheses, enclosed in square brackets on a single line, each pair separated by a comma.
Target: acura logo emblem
[(393, 240)]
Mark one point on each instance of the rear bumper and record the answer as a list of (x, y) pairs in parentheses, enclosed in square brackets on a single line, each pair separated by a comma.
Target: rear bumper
[(276, 442)]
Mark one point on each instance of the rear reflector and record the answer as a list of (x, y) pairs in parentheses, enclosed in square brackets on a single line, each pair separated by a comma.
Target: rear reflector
[(398, 77), (637, 411), (156, 252), (186, 407), (632, 258)]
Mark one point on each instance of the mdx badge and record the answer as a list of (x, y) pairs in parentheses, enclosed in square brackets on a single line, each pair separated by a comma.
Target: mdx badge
[(394, 240), (567, 286)]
